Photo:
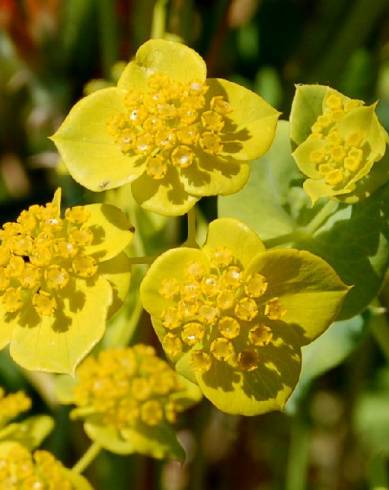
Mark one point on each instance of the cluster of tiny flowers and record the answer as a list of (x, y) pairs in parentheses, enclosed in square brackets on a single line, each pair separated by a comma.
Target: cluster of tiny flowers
[(12, 405), (39, 255), (124, 387), (168, 122), (340, 159), (220, 309), (21, 470)]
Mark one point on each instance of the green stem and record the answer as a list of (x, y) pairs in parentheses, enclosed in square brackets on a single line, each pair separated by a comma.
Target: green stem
[(377, 474), (298, 456), (108, 34), (191, 239), (329, 208), (158, 27), (87, 458), (292, 237), (379, 327)]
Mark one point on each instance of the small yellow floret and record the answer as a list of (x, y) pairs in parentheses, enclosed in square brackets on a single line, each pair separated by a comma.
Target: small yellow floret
[(222, 349), (260, 335), (84, 266), (172, 344), (156, 167), (44, 304), (12, 300), (248, 360), (274, 309), (246, 309), (201, 361), (256, 285), (151, 412), (334, 102), (192, 333), (229, 327)]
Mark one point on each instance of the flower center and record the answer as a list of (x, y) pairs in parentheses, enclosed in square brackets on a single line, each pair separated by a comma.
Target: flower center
[(223, 312), (127, 386), (40, 254), (168, 123), (338, 159), (40, 471)]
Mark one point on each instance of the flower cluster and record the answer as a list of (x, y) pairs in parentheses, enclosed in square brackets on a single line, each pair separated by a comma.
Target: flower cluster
[(233, 317), (223, 309), (130, 391), (174, 134), (126, 386), (169, 122), (12, 405), (343, 143), (52, 270), (20, 469)]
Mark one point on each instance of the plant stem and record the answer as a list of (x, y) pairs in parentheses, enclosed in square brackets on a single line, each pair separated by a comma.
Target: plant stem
[(191, 239), (87, 458), (158, 27), (324, 213), (296, 472), (378, 476), (379, 327)]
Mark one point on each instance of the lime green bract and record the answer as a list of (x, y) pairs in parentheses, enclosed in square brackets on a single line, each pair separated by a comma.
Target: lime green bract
[(340, 144), (60, 278), (175, 135), (233, 316)]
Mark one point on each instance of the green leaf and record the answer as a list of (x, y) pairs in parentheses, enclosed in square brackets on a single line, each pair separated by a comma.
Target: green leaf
[(352, 239), (158, 442), (325, 353), (31, 432)]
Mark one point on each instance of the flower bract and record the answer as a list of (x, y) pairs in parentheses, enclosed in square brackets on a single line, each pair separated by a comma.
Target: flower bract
[(233, 316), (129, 398), (21, 469), (60, 278), (340, 144), (174, 134)]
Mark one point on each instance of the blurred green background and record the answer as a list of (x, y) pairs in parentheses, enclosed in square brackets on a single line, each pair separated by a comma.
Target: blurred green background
[(335, 435)]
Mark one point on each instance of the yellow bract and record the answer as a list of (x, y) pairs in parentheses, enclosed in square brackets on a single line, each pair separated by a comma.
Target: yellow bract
[(167, 129)]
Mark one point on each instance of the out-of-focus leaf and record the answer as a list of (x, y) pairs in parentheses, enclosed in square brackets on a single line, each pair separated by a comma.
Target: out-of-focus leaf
[(31, 432), (325, 353)]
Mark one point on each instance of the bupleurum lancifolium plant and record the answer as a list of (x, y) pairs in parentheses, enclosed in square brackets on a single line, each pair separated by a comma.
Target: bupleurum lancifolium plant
[(233, 315), (174, 134)]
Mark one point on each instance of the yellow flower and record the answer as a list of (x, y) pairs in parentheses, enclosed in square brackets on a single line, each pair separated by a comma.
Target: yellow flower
[(129, 398), (175, 135), (233, 316), (19, 468), (340, 144), (12, 405), (60, 277)]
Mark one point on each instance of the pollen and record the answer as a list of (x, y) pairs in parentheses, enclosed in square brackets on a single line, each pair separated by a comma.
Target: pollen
[(274, 310), (44, 304), (256, 285), (192, 333), (35, 253), (246, 309), (201, 361), (168, 123), (126, 386), (229, 327), (172, 344), (222, 349), (248, 360)]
